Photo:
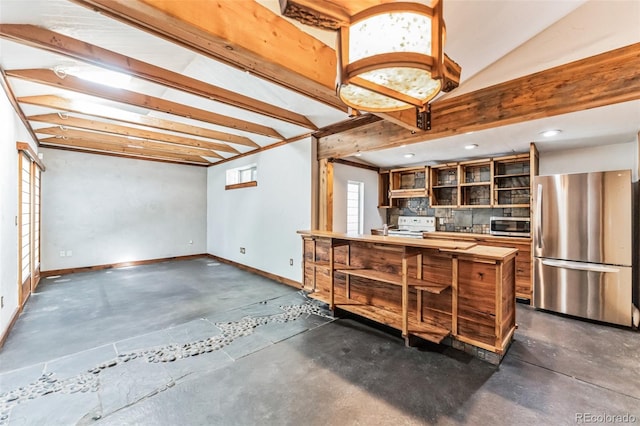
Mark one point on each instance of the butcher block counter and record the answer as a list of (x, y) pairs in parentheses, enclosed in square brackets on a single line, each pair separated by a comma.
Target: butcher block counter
[(440, 290)]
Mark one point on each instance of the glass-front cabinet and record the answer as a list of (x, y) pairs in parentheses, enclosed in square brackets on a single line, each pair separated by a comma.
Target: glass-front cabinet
[(444, 185), (476, 183), (408, 182), (501, 182), (512, 182)]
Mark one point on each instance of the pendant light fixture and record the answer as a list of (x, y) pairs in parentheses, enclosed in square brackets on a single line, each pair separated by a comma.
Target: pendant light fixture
[(391, 57)]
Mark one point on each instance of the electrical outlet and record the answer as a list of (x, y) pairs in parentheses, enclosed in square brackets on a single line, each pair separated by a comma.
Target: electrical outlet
[(63, 253), (242, 250), (291, 262), (69, 253)]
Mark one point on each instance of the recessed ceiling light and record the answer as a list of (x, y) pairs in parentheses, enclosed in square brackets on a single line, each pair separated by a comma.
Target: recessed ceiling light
[(403, 145), (409, 155), (469, 133), (471, 146), (550, 133), (358, 154)]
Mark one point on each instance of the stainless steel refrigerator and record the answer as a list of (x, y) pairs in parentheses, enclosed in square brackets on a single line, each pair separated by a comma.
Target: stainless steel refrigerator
[(583, 244)]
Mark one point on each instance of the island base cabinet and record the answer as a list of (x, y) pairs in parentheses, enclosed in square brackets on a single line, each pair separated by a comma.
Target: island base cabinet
[(467, 302)]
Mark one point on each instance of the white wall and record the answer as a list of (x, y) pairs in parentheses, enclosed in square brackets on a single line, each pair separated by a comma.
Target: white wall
[(593, 159), (109, 210), (263, 219), (341, 175), (11, 132)]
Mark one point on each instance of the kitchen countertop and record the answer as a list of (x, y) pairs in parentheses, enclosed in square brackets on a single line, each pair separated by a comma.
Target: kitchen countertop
[(446, 245), (476, 237)]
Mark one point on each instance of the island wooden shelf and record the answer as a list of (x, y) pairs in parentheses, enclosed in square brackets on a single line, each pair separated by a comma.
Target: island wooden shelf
[(427, 288)]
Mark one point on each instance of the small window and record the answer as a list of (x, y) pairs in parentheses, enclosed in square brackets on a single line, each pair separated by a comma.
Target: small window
[(354, 207), (242, 177)]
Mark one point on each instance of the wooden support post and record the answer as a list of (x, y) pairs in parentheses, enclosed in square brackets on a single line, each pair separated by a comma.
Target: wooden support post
[(315, 277), (332, 304), (498, 304), (325, 202), (347, 283), (454, 296), (405, 300), (419, 292)]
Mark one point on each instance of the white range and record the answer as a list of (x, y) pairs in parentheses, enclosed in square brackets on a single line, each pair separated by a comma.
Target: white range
[(413, 226)]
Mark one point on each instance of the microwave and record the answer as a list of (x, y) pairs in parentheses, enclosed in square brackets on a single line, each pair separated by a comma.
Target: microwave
[(510, 226)]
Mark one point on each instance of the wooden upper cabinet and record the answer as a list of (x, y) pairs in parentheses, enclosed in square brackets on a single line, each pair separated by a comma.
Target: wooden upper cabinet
[(501, 182), (408, 182), (512, 181), (383, 189), (476, 183), (445, 180)]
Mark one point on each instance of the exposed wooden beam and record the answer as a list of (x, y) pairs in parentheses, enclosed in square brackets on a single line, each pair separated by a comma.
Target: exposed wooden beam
[(16, 106), (67, 133), (600, 80), (43, 38), (117, 129), (354, 164), (264, 148), (265, 44), (343, 126), (128, 156), (103, 111), (69, 82), (115, 148)]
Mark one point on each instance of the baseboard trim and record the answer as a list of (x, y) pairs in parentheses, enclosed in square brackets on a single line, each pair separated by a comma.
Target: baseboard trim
[(260, 272), (45, 274), (6, 332)]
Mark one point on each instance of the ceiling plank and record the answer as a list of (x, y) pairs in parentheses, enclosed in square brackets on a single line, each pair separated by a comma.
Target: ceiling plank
[(103, 111), (108, 147), (69, 82), (117, 129), (67, 133), (265, 44), (42, 38), (600, 80)]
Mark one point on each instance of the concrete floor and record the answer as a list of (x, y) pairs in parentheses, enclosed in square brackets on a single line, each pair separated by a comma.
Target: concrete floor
[(201, 343)]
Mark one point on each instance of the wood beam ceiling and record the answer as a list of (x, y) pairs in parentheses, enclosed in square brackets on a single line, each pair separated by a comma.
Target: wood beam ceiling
[(84, 145), (123, 141), (117, 129), (75, 84), (102, 111), (605, 79), (50, 41), (265, 44)]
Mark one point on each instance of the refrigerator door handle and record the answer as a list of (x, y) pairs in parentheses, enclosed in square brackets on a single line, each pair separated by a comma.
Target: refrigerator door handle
[(592, 267), (539, 217)]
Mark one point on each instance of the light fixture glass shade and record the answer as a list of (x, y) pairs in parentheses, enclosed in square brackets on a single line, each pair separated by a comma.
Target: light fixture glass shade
[(413, 82), (390, 32), (387, 60)]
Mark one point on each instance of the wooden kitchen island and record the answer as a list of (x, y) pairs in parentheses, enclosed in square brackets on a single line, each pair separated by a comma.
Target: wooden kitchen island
[(444, 291)]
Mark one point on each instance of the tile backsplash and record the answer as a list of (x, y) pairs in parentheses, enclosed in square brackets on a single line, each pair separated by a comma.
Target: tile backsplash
[(450, 219)]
